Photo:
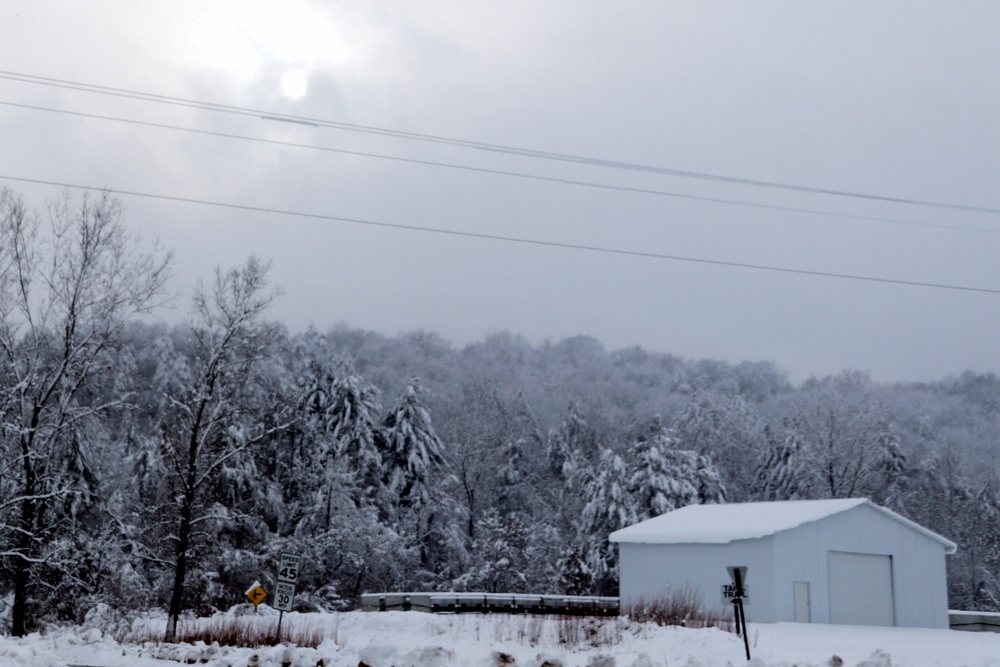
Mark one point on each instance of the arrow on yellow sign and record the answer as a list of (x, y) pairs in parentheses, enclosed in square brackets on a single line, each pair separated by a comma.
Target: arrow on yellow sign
[(256, 593)]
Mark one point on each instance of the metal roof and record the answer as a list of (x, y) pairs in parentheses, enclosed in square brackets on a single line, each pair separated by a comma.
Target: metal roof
[(722, 523)]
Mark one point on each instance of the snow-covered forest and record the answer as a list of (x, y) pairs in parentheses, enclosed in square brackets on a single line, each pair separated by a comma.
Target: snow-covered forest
[(146, 465)]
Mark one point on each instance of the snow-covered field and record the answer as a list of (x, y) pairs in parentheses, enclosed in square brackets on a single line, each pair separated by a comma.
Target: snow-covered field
[(412, 639)]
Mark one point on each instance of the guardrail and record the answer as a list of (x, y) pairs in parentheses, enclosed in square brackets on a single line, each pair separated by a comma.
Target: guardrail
[(974, 621), (491, 603)]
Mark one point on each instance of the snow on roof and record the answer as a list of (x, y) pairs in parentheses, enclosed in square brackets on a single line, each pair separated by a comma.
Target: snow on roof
[(719, 524)]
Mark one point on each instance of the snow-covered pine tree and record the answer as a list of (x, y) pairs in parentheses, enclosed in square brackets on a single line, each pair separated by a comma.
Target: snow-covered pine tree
[(890, 466), (520, 455), (411, 455), (499, 556), (346, 410), (563, 482), (336, 488), (665, 477), (566, 451), (781, 474), (411, 449), (610, 506), (575, 577), (711, 488)]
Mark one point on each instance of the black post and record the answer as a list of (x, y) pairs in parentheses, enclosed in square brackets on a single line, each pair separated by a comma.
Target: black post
[(743, 620), (277, 638), (736, 617), (738, 580)]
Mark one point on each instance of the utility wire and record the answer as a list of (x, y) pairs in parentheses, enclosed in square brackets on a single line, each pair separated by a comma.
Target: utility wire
[(499, 148), (499, 172), (508, 239)]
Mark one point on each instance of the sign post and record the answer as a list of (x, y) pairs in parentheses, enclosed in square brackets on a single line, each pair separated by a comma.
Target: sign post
[(738, 574), (284, 591)]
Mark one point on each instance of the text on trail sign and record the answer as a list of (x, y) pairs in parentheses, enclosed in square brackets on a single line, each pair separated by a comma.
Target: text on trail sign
[(729, 592)]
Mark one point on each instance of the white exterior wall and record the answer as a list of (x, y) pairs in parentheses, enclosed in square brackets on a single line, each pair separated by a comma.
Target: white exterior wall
[(918, 565), (652, 570)]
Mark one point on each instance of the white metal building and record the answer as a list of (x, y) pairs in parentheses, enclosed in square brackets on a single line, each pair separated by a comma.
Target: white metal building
[(844, 561)]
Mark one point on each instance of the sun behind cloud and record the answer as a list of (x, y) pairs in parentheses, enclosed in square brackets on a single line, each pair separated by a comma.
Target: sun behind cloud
[(250, 35)]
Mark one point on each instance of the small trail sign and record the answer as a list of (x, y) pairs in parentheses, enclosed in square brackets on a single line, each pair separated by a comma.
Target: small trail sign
[(256, 594)]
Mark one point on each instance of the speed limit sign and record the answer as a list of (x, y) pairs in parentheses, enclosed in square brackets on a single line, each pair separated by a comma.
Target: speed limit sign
[(288, 570), (288, 574)]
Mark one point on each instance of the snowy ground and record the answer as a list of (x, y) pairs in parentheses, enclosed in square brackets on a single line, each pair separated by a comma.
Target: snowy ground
[(413, 639)]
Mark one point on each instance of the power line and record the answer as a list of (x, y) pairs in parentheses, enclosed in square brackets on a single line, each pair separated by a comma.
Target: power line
[(499, 148), (509, 239), (487, 170)]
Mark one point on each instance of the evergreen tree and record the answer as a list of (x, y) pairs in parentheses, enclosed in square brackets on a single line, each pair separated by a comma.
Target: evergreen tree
[(412, 449), (609, 507), (780, 470), (500, 556), (345, 411), (665, 477), (563, 484), (889, 475), (575, 577), (566, 449), (412, 454), (520, 453)]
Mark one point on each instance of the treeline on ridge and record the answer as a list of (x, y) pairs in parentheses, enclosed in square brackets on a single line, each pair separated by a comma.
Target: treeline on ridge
[(153, 466)]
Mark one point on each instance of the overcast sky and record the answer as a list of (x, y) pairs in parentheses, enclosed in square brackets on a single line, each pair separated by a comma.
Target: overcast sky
[(893, 99)]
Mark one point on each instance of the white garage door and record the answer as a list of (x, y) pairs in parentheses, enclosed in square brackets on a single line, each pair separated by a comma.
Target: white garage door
[(861, 589)]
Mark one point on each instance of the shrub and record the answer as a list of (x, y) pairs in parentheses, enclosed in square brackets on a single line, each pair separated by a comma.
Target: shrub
[(244, 631), (681, 608)]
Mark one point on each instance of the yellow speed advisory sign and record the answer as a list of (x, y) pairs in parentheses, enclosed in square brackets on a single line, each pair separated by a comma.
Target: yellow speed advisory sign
[(256, 593)]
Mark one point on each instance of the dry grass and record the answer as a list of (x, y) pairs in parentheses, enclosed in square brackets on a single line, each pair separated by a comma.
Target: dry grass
[(537, 630), (590, 630), (681, 608), (244, 631)]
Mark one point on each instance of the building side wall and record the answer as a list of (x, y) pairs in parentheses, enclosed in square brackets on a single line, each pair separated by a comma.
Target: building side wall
[(918, 565), (653, 570)]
